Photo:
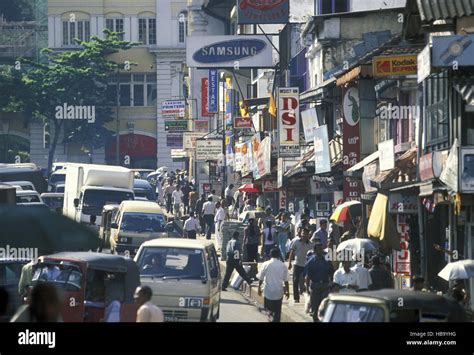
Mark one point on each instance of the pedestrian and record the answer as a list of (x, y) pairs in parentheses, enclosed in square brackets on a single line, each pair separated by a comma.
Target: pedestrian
[(333, 288), (193, 198), (177, 201), (251, 241), (334, 231), (219, 218), (262, 222), (147, 311), (159, 190), (208, 210), (283, 227), (318, 273), (229, 195), (260, 203), (299, 249), (198, 211), (248, 206), (186, 190), (346, 278), (269, 240), (191, 227), (381, 278), (237, 204), (233, 261), (214, 197), (363, 276), (322, 233), (274, 276), (168, 194), (45, 305)]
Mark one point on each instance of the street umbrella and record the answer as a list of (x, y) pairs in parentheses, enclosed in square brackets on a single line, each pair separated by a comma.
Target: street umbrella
[(458, 270), (345, 211), (49, 232), (249, 188), (357, 245)]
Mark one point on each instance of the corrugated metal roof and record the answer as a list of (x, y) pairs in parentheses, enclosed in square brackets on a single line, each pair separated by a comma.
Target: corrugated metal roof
[(432, 10)]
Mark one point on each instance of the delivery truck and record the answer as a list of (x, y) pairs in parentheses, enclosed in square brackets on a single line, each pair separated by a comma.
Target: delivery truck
[(89, 187)]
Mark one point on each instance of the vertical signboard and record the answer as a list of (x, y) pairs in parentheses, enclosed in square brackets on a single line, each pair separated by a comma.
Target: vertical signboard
[(264, 155), (288, 122), (322, 158), (205, 98), (351, 139), (213, 91), (402, 257), (229, 148), (386, 155)]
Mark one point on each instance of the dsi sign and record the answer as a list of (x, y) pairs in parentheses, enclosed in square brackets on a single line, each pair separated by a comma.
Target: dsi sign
[(229, 52)]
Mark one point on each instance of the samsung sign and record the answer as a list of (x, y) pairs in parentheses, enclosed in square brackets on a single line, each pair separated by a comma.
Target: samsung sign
[(229, 52)]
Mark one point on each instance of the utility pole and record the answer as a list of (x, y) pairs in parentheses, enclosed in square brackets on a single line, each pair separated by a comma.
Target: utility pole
[(117, 121)]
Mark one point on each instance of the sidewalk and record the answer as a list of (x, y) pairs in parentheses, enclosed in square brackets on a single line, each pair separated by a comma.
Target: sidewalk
[(289, 313)]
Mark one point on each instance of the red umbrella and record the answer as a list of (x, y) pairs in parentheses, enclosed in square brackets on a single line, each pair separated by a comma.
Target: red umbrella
[(249, 188)]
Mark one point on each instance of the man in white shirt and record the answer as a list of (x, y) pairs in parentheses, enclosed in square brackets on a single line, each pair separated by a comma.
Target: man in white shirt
[(218, 219), (274, 276), (147, 311), (363, 276), (346, 278), (191, 226), (177, 197), (208, 209)]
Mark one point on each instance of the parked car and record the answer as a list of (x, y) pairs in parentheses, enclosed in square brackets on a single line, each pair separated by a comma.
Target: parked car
[(28, 197), (392, 306), (54, 200), (143, 189), (184, 275), (22, 185)]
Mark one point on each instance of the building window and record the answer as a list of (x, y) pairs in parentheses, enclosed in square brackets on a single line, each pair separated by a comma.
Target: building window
[(147, 30), (182, 27), (436, 109), (115, 25), (136, 90), (80, 30), (332, 6)]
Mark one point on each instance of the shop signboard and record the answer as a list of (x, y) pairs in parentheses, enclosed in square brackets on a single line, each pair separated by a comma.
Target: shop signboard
[(264, 155), (189, 140), (174, 141), (449, 51), (430, 165), (450, 173), (386, 155), (263, 12), (401, 203), (205, 98), (213, 92), (173, 108), (242, 122), (310, 123), (322, 159), (208, 149), (270, 186), (424, 63), (176, 126), (288, 122), (395, 65), (402, 257), (201, 126)]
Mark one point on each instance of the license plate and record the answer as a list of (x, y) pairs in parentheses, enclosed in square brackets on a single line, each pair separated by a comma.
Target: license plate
[(171, 319)]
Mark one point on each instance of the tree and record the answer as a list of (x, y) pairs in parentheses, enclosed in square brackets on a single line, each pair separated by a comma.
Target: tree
[(73, 78)]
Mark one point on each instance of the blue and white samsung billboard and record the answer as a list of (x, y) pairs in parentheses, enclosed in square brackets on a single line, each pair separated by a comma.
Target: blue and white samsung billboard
[(229, 52)]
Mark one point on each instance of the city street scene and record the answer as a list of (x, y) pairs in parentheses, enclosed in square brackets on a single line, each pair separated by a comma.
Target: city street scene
[(237, 161)]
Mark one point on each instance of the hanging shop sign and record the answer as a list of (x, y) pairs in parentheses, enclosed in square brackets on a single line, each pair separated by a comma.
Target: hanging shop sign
[(351, 139), (208, 149), (288, 121), (201, 126), (238, 157), (205, 98), (263, 12), (467, 170), (430, 165), (450, 173), (282, 199), (370, 172), (189, 140), (176, 126), (264, 155), (228, 51), (424, 64), (400, 203), (386, 155), (310, 123), (174, 141), (173, 108), (270, 186), (179, 155), (322, 158), (402, 257), (397, 65), (449, 51), (255, 144), (213, 91), (229, 148), (242, 122)]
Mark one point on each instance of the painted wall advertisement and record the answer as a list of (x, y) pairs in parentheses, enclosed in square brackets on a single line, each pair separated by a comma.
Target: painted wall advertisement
[(351, 139), (208, 149), (288, 122), (213, 91), (264, 155), (322, 158), (263, 12), (173, 108)]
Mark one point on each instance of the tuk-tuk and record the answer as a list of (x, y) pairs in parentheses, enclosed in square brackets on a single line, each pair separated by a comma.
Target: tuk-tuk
[(89, 282), (108, 214), (390, 305)]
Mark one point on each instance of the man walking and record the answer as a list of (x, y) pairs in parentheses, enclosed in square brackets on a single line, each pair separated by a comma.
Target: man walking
[(318, 273), (208, 216), (321, 233), (299, 249), (346, 278), (168, 195), (198, 212), (234, 254), (379, 275), (218, 220), (193, 198), (147, 311), (274, 276), (177, 201), (191, 227)]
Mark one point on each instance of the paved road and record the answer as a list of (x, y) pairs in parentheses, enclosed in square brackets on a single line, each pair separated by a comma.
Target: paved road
[(235, 308)]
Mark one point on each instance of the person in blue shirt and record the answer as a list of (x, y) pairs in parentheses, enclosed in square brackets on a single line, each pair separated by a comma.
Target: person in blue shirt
[(321, 233), (233, 254), (318, 273)]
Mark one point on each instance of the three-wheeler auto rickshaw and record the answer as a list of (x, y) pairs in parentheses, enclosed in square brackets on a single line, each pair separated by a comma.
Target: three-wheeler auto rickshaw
[(89, 282)]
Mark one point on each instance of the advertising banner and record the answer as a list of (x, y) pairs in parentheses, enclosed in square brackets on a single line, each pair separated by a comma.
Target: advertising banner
[(173, 108), (288, 122), (351, 139), (264, 155), (238, 156), (322, 159), (213, 91), (225, 51), (255, 143), (263, 12), (229, 147)]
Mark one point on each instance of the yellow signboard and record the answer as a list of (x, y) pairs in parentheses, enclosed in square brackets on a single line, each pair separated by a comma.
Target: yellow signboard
[(398, 65)]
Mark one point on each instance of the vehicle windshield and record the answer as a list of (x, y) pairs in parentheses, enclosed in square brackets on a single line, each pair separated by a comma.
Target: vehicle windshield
[(55, 178), (143, 222), (173, 263), (28, 198), (95, 200), (65, 276), (141, 193), (338, 312)]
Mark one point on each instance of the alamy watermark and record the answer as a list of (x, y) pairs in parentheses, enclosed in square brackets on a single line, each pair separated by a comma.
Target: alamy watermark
[(75, 112), (399, 112), (345, 255), (18, 254)]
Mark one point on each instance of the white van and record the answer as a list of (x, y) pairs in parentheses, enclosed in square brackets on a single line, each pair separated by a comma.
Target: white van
[(184, 275)]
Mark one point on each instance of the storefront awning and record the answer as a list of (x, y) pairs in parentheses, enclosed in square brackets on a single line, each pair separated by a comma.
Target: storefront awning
[(432, 10), (354, 171), (317, 92), (303, 166), (362, 70), (404, 172)]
